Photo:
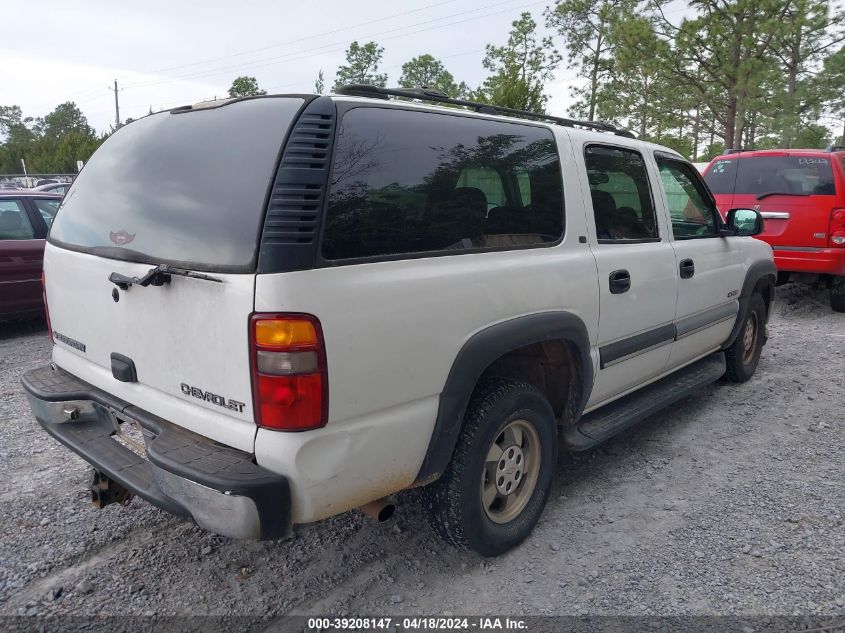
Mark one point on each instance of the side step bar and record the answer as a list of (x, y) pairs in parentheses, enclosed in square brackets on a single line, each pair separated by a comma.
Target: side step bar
[(602, 424)]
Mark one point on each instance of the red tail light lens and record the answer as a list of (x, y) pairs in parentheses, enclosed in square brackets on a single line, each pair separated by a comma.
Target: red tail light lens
[(46, 307), (837, 228), (290, 386)]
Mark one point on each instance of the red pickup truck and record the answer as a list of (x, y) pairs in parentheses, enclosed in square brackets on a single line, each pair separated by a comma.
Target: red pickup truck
[(801, 195)]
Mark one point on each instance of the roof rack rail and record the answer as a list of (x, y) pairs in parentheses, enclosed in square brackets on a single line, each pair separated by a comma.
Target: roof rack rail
[(424, 93), (835, 148), (737, 150)]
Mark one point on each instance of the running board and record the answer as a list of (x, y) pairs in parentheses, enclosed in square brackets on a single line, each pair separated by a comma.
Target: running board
[(602, 424)]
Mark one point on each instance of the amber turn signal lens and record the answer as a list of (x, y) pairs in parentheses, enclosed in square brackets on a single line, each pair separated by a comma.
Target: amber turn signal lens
[(289, 376), (285, 333)]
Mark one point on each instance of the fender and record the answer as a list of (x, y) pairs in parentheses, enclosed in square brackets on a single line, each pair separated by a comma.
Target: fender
[(477, 354), (762, 272)]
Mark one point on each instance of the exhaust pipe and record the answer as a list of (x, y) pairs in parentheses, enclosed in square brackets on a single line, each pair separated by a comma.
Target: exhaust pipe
[(380, 509)]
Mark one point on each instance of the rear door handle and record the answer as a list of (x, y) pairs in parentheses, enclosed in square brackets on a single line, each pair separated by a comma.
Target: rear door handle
[(687, 268), (620, 281)]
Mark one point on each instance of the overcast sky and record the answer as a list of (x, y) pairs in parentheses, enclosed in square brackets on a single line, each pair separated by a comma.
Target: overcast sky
[(165, 53)]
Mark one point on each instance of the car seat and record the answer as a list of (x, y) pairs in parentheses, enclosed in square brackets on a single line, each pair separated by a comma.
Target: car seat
[(456, 216)]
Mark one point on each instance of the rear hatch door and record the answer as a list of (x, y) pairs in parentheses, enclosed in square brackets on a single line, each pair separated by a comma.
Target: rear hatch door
[(795, 192), (185, 189)]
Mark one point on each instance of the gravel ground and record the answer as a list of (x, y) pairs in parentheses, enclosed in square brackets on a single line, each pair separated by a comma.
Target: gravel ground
[(729, 503)]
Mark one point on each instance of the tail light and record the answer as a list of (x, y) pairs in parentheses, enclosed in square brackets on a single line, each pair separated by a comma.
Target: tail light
[(837, 227), (46, 307), (289, 381)]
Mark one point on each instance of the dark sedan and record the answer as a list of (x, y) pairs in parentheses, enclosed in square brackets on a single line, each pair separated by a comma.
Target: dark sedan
[(25, 218), (54, 187)]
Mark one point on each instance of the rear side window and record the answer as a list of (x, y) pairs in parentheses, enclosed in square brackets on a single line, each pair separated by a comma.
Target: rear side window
[(761, 175), (14, 223), (186, 189), (621, 195), (408, 182)]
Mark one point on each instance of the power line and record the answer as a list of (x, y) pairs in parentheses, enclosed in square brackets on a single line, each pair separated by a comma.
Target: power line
[(327, 48), (392, 67), (301, 39), (303, 82), (299, 55), (86, 92)]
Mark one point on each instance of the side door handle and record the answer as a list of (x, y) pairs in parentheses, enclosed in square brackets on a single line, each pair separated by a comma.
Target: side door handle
[(687, 268), (620, 281)]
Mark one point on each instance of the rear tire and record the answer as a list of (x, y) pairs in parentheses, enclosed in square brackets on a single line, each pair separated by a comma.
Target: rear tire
[(837, 294), (493, 491), (742, 357)]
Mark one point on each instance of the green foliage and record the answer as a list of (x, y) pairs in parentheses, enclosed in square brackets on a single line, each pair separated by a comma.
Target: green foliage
[(750, 65), (245, 87), (750, 73), (804, 36), (520, 69), (361, 66), (639, 89), (589, 30), (49, 145), (10, 116), (832, 78), (813, 136), (427, 71), (727, 73), (712, 151)]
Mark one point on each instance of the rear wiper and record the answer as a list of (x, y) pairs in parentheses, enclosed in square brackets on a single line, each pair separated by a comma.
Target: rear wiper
[(157, 276), (760, 196)]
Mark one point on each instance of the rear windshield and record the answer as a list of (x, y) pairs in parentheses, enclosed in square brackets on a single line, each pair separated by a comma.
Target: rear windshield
[(797, 175), (186, 189)]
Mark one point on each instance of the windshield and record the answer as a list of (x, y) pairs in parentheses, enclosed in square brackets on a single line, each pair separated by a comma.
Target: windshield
[(185, 189), (758, 175)]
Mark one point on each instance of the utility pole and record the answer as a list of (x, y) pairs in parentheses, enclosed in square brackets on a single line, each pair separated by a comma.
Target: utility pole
[(116, 106)]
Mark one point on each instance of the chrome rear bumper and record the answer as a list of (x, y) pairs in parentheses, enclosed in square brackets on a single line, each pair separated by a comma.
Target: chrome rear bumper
[(186, 474)]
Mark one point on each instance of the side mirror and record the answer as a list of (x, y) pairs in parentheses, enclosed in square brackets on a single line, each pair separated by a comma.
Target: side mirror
[(745, 221)]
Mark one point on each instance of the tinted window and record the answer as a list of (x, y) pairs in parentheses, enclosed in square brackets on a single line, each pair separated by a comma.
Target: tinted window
[(621, 195), (183, 188), (486, 179), (14, 223), (47, 209), (690, 208), (411, 182), (798, 175)]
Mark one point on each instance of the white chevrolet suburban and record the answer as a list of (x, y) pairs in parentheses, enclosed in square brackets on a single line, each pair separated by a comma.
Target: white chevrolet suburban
[(271, 310)]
